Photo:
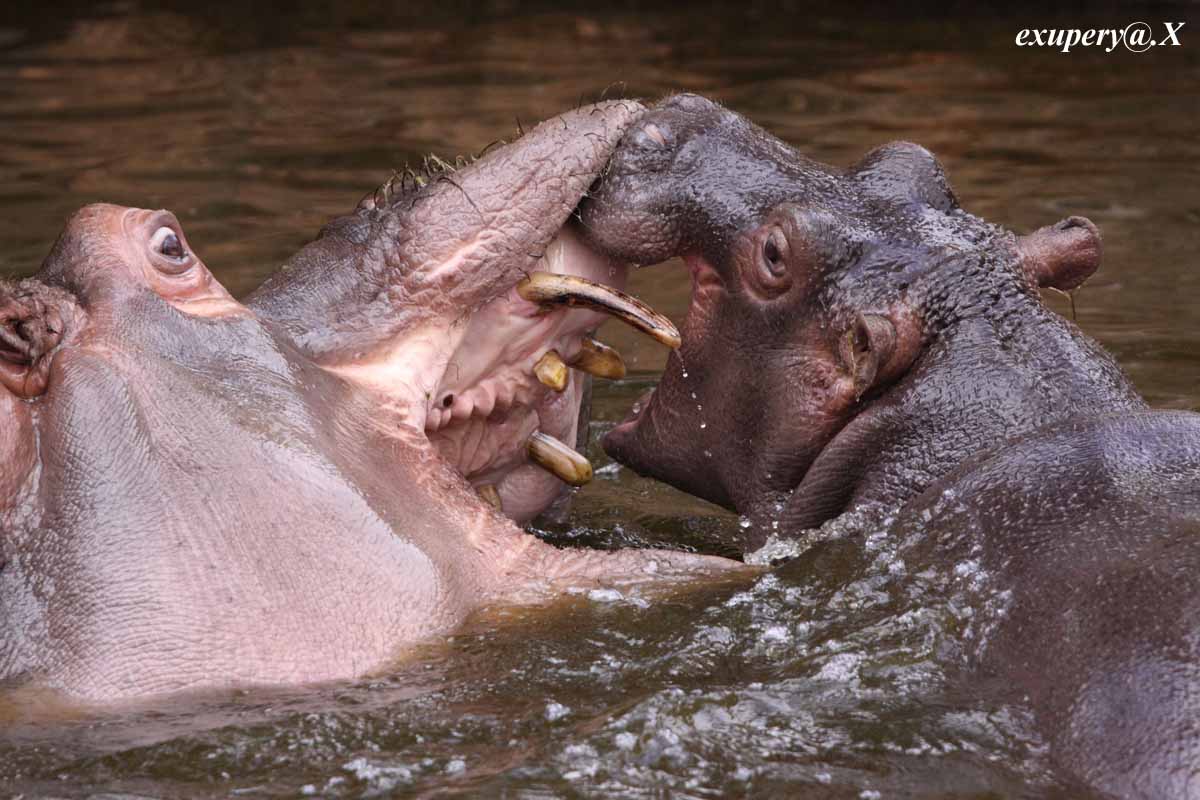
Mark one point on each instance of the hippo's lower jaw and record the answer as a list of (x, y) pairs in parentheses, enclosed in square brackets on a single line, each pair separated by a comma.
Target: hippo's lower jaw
[(643, 440)]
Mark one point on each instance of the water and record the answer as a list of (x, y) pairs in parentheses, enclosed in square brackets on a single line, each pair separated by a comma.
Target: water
[(826, 678)]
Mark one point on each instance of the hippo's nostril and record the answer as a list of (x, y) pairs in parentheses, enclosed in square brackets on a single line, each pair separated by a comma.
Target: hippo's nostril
[(655, 133), (653, 136)]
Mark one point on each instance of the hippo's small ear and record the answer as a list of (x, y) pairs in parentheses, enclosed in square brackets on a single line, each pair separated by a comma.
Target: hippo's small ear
[(876, 349), (33, 321), (905, 172), (1061, 256)]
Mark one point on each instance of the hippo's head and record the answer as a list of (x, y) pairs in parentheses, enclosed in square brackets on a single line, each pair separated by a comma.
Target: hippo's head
[(196, 491), (814, 289), (413, 296)]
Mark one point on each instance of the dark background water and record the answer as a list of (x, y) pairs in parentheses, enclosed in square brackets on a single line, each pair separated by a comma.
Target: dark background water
[(256, 124)]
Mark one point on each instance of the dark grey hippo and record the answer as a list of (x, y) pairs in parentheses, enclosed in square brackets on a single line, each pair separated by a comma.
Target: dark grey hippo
[(857, 342), (198, 493)]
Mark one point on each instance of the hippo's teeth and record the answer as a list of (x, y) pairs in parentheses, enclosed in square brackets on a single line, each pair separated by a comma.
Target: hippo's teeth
[(596, 358), (559, 460), (490, 496), (551, 289), (551, 370), (485, 402)]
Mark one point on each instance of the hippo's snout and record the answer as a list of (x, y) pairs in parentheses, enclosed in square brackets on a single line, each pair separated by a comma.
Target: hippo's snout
[(635, 213)]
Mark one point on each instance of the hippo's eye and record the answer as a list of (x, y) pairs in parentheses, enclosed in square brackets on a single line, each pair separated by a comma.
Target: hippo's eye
[(774, 253), (165, 241)]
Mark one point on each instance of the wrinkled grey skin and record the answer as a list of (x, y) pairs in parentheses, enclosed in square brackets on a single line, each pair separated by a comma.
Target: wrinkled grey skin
[(197, 493), (858, 342)]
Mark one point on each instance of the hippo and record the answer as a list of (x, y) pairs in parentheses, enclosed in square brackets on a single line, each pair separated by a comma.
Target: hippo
[(198, 493), (858, 346)]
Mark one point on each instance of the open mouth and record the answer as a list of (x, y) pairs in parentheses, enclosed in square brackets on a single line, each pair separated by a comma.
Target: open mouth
[(504, 409), (479, 336), (707, 287)]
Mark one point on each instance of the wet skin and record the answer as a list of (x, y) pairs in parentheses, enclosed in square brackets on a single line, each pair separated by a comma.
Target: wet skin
[(198, 493), (857, 342)]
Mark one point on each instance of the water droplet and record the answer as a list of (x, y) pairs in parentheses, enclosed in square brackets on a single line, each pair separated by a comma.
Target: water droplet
[(776, 633), (556, 711)]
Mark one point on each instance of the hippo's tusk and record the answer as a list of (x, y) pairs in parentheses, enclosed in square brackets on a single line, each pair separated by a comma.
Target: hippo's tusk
[(550, 289), (559, 460), (551, 371), (597, 358), (490, 496)]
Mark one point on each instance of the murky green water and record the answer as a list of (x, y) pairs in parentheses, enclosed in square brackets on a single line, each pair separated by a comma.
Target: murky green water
[(824, 679)]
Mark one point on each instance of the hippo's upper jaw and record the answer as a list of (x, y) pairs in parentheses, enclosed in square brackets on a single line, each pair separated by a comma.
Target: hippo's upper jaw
[(197, 493), (817, 294), (415, 296)]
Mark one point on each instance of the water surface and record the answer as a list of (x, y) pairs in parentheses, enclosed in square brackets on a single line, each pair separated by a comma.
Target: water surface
[(825, 678)]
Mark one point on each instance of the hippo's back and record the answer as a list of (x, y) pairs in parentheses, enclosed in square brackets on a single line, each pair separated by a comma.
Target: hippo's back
[(1088, 535)]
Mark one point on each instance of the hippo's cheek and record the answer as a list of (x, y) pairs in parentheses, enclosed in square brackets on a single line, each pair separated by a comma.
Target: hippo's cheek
[(214, 306)]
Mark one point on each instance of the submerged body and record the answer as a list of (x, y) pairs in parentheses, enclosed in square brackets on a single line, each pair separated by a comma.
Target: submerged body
[(1084, 542), (856, 342), (200, 493)]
